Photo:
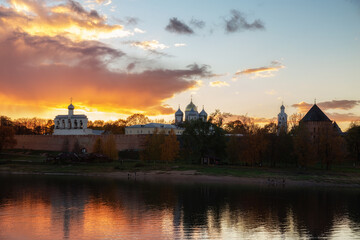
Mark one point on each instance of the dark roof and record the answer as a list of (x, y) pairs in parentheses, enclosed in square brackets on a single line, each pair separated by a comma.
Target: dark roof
[(315, 115), (337, 128)]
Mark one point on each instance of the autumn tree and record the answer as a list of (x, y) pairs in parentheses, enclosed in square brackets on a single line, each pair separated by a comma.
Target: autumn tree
[(137, 119), (109, 148), (218, 118), (7, 137), (304, 149), (115, 127), (152, 151), (235, 127), (170, 147), (294, 120)]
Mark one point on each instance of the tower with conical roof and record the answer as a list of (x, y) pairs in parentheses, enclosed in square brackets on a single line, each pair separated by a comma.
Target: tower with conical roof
[(318, 124), (282, 120)]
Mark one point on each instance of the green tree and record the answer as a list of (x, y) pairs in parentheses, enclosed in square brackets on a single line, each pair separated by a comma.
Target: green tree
[(202, 139), (353, 142)]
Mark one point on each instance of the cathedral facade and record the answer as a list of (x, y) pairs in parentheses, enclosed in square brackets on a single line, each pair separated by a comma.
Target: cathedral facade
[(191, 114)]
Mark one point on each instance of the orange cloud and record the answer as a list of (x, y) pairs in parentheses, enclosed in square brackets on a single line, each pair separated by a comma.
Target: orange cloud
[(69, 19), (219, 84), (261, 72), (45, 67)]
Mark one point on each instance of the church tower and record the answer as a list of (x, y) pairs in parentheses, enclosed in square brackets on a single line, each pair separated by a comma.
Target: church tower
[(282, 120), (179, 115)]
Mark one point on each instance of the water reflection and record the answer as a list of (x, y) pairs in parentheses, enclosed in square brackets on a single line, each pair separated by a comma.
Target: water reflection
[(50, 207)]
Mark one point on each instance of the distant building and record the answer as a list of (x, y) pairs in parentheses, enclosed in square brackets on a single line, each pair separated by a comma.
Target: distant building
[(72, 124), (318, 123), (191, 113), (282, 120), (150, 128)]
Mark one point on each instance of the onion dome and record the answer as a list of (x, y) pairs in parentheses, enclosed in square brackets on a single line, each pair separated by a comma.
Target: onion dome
[(71, 107), (282, 107), (179, 113), (190, 106), (203, 113)]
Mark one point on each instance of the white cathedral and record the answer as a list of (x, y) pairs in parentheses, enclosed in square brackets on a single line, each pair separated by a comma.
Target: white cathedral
[(191, 113), (71, 124)]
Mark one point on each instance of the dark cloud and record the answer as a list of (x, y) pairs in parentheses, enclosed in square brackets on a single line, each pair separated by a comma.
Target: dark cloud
[(339, 104), (131, 66), (197, 23), (128, 20), (131, 20), (78, 8), (238, 22), (179, 27), (334, 104)]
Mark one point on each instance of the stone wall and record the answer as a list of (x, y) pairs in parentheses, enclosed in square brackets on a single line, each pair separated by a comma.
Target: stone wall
[(56, 143)]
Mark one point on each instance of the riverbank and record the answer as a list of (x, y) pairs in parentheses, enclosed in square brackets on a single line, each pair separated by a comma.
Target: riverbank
[(244, 176), (34, 163)]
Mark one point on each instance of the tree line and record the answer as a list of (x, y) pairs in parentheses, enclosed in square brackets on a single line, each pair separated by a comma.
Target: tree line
[(243, 142), (239, 142)]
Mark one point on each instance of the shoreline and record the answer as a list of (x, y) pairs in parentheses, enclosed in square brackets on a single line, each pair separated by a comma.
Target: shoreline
[(194, 177)]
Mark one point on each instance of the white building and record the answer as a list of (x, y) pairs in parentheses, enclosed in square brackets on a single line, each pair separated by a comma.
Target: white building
[(282, 120), (71, 124), (151, 127)]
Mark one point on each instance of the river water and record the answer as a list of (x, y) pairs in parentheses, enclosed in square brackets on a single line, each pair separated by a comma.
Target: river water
[(68, 207)]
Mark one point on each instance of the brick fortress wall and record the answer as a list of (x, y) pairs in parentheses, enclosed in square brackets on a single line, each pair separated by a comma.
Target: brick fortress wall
[(56, 143)]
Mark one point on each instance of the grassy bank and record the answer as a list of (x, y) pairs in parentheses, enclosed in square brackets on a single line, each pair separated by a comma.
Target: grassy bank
[(34, 162)]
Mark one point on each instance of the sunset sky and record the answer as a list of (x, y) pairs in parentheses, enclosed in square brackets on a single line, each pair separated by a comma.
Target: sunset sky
[(119, 57)]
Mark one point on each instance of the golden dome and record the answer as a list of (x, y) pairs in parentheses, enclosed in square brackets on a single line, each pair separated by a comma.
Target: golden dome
[(191, 106)]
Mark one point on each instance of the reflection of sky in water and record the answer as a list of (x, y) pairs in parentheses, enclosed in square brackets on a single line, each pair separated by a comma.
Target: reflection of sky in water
[(90, 208)]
